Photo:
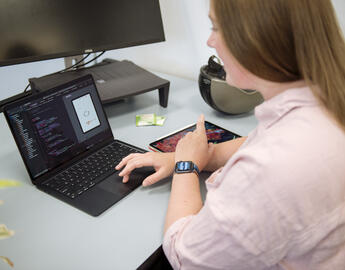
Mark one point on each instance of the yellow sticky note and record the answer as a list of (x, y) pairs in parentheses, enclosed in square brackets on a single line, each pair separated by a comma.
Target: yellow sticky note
[(8, 183), (7, 260), (4, 232)]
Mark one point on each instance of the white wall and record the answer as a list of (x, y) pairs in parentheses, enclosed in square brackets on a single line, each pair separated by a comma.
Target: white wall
[(339, 6), (186, 28)]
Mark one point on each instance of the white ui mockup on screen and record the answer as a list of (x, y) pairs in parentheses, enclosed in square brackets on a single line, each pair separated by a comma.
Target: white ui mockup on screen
[(86, 113)]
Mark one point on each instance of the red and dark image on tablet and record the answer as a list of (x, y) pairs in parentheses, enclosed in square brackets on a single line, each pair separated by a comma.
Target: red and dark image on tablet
[(215, 134)]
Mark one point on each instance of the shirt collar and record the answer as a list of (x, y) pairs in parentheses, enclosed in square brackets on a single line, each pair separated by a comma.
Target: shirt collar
[(276, 107)]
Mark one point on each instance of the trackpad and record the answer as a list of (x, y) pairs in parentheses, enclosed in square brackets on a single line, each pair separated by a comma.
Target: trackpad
[(113, 184)]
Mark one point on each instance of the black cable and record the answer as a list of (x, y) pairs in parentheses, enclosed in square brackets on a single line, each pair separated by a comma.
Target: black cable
[(26, 88), (73, 66), (93, 59), (63, 70)]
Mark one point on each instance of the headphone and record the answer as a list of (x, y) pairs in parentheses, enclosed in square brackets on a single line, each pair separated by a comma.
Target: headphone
[(222, 97)]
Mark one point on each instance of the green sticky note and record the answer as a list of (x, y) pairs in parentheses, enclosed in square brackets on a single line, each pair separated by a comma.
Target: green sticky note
[(148, 119), (160, 120)]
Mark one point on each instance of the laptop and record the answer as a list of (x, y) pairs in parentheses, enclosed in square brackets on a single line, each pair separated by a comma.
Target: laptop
[(68, 147)]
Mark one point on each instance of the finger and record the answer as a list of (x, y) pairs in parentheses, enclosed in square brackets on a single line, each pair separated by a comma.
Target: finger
[(125, 179), (122, 163), (200, 125), (125, 160), (153, 178), (135, 163), (210, 149)]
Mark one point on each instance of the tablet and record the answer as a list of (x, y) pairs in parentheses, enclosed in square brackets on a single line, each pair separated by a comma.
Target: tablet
[(215, 134)]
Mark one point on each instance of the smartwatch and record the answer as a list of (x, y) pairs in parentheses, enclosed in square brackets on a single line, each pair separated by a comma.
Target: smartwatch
[(186, 167)]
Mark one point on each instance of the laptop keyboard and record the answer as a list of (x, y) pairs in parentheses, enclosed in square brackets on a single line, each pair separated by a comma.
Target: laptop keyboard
[(89, 171)]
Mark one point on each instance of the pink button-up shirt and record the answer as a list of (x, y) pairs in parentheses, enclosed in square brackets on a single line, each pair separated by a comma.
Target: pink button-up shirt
[(278, 203)]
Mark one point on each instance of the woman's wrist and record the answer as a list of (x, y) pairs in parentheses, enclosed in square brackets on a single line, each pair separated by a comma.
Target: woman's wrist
[(186, 166)]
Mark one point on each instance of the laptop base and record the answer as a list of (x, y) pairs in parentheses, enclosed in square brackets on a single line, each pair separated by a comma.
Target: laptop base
[(104, 195)]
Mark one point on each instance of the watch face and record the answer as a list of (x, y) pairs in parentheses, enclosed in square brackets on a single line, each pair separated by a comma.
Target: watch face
[(184, 166)]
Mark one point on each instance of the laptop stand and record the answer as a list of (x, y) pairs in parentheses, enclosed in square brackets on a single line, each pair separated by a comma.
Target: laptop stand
[(115, 80)]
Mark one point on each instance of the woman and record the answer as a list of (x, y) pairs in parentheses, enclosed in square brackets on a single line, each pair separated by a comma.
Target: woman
[(279, 200)]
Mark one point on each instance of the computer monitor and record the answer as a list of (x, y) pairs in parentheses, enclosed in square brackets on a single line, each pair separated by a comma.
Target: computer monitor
[(34, 30)]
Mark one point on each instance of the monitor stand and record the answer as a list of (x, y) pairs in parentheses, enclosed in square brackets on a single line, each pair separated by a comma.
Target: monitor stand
[(115, 80)]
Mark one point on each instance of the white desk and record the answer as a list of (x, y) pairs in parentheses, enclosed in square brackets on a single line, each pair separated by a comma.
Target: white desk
[(50, 234)]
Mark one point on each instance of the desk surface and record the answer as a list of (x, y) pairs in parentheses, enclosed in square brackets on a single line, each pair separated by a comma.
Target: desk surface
[(50, 234)]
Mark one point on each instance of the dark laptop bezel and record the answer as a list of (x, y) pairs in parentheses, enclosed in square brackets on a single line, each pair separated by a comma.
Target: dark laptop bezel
[(41, 178)]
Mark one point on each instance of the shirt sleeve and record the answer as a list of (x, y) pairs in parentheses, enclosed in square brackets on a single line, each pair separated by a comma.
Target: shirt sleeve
[(238, 227), (212, 239), (201, 242)]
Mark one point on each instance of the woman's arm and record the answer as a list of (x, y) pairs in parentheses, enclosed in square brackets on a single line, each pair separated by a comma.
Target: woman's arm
[(164, 163), (222, 152), (185, 196)]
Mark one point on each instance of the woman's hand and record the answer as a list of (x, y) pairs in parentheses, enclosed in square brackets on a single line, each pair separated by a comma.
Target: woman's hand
[(194, 146), (163, 163)]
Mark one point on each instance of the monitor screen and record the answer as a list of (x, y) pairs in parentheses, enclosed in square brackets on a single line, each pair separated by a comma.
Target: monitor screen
[(34, 30)]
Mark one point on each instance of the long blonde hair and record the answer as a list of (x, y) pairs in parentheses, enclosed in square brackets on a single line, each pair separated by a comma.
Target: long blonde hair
[(288, 40)]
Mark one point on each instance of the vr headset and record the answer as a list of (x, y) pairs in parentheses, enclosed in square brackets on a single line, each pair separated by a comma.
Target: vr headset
[(221, 96)]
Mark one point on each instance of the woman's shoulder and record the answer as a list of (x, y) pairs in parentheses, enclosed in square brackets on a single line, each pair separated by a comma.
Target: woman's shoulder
[(305, 141), (291, 167)]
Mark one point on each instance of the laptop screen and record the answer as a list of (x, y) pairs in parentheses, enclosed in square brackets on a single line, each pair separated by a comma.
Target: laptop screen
[(53, 127)]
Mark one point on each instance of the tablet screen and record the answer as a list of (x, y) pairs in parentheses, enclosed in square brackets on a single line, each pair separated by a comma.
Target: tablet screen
[(215, 134)]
